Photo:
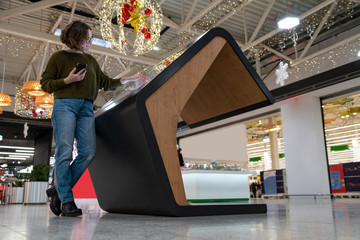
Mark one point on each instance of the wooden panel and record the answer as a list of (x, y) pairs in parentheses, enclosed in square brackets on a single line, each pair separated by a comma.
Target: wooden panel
[(227, 86), (165, 105)]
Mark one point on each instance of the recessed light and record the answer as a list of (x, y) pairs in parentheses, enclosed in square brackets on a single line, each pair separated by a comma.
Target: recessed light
[(288, 22)]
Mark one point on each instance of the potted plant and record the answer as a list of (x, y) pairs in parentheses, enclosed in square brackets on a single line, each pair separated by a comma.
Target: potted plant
[(17, 190), (35, 189)]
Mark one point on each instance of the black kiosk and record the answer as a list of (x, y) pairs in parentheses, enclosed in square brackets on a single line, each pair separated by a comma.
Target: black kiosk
[(136, 168)]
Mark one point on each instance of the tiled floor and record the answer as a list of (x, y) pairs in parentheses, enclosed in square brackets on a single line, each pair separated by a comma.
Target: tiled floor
[(304, 218)]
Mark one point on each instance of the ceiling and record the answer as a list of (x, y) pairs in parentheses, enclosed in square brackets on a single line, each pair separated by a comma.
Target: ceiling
[(26, 27), (27, 40)]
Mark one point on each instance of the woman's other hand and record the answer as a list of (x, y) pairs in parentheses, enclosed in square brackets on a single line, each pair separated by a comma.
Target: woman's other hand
[(133, 78)]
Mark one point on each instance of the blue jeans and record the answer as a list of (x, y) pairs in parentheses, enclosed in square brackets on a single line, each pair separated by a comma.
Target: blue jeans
[(72, 119)]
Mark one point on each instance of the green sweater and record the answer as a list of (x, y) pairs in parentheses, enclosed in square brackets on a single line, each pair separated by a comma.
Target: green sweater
[(62, 63)]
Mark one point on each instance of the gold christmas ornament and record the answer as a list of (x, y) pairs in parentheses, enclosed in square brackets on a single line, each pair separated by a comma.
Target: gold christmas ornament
[(144, 16)]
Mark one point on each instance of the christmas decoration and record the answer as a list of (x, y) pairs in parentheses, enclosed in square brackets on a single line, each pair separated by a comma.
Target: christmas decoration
[(144, 16), (281, 73)]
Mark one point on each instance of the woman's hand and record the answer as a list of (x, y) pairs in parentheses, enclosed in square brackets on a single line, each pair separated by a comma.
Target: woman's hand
[(133, 78), (75, 77)]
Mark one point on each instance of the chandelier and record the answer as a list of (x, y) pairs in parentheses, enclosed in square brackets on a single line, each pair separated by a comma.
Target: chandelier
[(144, 16), (25, 106), (5, 99), (32, 88), (44, 101)]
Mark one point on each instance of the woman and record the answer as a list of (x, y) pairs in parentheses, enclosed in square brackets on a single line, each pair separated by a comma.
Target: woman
[(73, 116)]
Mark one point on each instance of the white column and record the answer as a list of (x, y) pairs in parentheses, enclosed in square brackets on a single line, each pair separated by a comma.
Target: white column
[(306, 166), (274, 146)]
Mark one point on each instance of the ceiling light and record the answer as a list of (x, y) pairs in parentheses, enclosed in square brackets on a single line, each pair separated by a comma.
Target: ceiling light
[(45, 101), (358, 53), (14, 153), (288, 22), (25, 151), (14, 158), (33, 88), (4, 98), (16, 147), (156, 48)]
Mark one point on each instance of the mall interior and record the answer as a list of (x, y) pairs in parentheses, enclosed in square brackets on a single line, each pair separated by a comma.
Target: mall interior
[(285, 165)]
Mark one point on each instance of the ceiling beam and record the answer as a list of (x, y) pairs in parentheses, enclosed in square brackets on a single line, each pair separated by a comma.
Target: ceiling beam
[(262, 20), (198, 16), (231, 13), (193, 4), (318, 29), (45, 37), (272, 33), (325, 50), (56, 24), (12, 12), (277, 53)]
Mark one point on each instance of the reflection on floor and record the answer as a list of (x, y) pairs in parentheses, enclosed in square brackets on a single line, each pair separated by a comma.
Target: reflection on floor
[(305, 218)]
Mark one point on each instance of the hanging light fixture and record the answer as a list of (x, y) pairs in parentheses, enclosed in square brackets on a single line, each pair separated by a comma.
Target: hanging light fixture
[(32, 88), (144, 16), (5, 99), (1, 111), (44, 101)]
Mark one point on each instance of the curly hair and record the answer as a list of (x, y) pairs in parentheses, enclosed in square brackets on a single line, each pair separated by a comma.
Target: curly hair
[(74, 33)]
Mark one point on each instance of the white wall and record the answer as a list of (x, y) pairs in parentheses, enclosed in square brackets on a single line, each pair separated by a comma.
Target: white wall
[(228, 143), (304, 143)]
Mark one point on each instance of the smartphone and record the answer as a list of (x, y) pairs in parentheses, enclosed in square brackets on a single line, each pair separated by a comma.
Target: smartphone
[(80, 66)]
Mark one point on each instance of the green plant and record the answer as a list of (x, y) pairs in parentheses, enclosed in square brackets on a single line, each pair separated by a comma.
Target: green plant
[(22, 178), (40, 173)]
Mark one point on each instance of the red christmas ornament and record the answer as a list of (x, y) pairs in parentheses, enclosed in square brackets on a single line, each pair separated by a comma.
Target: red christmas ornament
[(35, 115), (147, 11), (127, 6), (125, 15), (147, 35), (144, 30), (167, 62), (132, 2)]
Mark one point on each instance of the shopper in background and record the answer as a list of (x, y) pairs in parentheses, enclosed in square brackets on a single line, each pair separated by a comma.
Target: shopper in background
[(181, 159), (73, 116)]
